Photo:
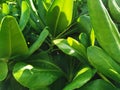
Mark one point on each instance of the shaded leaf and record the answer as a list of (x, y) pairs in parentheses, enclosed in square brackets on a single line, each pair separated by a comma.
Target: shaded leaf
[(82, 77), (98, 85)]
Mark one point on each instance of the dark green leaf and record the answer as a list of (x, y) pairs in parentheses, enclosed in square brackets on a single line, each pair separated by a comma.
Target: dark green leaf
[(98, 85)]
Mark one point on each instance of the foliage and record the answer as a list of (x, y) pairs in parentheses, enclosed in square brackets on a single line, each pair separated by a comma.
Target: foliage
[(44, 45)]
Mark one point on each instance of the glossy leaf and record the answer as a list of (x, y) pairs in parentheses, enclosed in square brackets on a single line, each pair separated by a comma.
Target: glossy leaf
[(63, 45), (98, 85), (40, 74), (25, 15), (82, 77), (103, 63), (59, 16), (13, 40), (77, 46), (3, 70)]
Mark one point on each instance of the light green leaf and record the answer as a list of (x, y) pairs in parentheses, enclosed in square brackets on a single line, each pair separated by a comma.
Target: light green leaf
[(92, 37), (40, 74), (82, 77), (63, 45), (25, 15), (3, 70), (77, 46), (59, 16)]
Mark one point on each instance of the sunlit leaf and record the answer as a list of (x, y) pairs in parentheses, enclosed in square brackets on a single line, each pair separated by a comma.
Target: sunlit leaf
[(40, 74)]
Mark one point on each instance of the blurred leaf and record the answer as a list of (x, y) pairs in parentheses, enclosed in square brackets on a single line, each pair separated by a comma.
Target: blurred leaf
[(3, 70)]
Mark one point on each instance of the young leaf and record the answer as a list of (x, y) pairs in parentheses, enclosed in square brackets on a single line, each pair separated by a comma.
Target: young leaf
[(98, 85), (25, 15), (40, 74), (3, 70), (82, 77)]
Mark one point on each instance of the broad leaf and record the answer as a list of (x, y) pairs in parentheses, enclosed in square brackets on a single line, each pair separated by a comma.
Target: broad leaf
[(82, 77), (59, 16), (98, 85), (40, 74), (3, 70), (103, 63), (5, 42), (18, 45)]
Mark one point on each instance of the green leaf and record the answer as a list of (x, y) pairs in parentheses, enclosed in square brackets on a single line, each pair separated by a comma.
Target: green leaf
[(25, 15), (103, 63), (43, 88), (5, 42), (59, 16), (82, 77), (43, 6), (5, 9), (77, 46), (84, 39), (12, 39), (41, 74), (39, 41), (3, 70), (63, 45), (92, 37), (84, 24), (98, 85)]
